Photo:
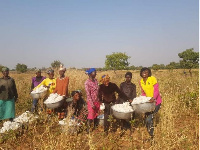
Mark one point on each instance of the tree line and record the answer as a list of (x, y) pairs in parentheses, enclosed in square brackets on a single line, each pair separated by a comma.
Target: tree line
[(119, 61)]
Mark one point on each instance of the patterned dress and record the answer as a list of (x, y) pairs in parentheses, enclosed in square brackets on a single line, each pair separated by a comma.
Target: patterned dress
[(92, 89)]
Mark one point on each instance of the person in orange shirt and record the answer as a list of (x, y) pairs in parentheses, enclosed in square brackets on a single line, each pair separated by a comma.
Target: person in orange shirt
[(62, 83)]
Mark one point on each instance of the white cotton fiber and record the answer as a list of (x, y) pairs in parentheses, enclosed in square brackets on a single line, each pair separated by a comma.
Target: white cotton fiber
[(53, 98), (39, 89), (17, 122), (125, 107)]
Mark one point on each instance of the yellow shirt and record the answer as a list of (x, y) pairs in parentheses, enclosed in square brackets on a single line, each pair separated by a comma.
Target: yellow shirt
[(47, 82), (148, 87)]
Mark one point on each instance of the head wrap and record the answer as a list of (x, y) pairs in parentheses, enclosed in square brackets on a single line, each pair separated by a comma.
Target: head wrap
[(5, 69), (50, 71), (105, 79), (37, 70), (128, 73), (89, 71), (73, 93), (62, 68)]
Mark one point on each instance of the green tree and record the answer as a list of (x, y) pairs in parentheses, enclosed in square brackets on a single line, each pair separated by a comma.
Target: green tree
[(190, 59), (155, 67), (21, 68), (117, 61), (132, 67), (173, 65), (56, 64)]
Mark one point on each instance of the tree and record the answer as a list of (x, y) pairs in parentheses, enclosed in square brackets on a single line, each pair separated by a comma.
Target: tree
[(117, 61), (56, 64), (190, 59), (21, 68), (155, 67), (173, 65)]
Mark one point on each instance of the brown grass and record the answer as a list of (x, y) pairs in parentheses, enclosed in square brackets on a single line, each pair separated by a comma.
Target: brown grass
[(176, 124)]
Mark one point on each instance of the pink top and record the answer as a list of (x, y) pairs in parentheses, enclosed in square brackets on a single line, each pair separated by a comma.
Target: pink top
[(156, 93), (92, 88)]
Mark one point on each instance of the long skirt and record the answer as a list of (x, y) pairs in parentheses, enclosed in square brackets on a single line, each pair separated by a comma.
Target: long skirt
[(7, 109), (92, 114)]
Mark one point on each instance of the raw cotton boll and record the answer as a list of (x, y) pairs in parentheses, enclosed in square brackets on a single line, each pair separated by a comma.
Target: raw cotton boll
[(102, 106), (125, 107), (53, 98), (140, 100)]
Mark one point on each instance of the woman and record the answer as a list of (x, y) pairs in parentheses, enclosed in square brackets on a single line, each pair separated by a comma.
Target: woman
[(50, 83), (150, 88), (93, 104), (79, 107), (35, 82), (107, 95), (62, 83), (8, 96), (129, 89)]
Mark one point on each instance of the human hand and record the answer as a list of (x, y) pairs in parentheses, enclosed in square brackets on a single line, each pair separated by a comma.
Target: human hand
[(93, 107), (130, 100), (152, 100), (16, 99)]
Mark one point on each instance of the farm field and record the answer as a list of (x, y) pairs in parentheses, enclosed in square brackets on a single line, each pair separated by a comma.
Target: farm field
[(176, 124)]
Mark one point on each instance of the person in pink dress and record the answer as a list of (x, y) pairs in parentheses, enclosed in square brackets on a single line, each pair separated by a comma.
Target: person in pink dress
[(93, 103)]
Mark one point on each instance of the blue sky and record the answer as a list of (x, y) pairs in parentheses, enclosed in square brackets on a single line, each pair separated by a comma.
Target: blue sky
[(80, 33)]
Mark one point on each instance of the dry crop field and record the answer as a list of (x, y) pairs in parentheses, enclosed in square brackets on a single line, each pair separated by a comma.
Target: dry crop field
[(176, 124)]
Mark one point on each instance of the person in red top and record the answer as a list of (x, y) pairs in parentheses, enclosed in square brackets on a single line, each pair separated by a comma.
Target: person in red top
[(62, 83)]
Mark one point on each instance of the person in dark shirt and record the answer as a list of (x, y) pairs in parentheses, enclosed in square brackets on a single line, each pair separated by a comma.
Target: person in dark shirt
[(8, 96), (107, 91), (129, 89)]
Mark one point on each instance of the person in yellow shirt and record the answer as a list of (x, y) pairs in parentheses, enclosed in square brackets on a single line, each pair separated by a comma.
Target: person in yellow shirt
[(150, 88), (49, 82)]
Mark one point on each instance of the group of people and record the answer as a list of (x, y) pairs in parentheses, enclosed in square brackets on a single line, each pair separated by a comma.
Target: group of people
[(103, 91)]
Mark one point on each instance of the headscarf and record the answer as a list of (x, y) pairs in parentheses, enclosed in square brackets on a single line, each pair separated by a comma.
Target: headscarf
[(89, 71), (105, 79), (62, 68), (128, 73), (37, 70), (73, 93), (50, 71), (5, 69)]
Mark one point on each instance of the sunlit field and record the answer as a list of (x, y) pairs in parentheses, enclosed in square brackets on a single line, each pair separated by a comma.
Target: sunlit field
[(176, 124)]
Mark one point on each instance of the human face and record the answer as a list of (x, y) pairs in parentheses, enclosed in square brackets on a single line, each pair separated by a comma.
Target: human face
[(106, 80), (61, 73), (93, 74), (5, 73), (128, 78), (76, 97), (145, 74), (51, 75), (38, 74)]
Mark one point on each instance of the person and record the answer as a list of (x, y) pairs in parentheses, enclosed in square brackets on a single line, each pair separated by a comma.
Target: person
[(61, 88), (129, 89), (79, 106), (50, 83), (8, 96), (107, 95), (93, 104), (35, 82), (150, 88)]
